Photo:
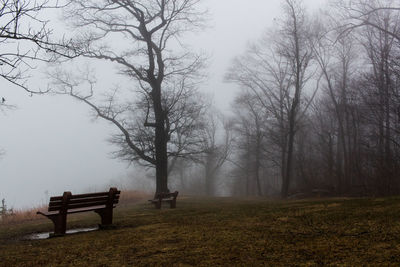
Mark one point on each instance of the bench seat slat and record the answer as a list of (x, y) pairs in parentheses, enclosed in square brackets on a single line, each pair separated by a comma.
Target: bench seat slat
[(77, 210), (48, 213), (88, 199), (59, 198), (84, 205), (164, 199), (56, 198), (93, 195)]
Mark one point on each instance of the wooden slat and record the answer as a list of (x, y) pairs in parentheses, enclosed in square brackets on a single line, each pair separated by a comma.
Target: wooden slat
[(88, 199), (164, 199), (101, 194), (166, 195), (88, 209), (55, 208), (83, 195), (55, 203), (48, 213), (85, 205), (56, 198), (91, 195), (83, 209)]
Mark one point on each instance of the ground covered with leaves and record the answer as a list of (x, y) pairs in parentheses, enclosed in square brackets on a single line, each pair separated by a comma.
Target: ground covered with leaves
[(220, 231)]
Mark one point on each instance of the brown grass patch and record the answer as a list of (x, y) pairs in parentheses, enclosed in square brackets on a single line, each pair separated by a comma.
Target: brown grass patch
[(221, 231), (22, 216)]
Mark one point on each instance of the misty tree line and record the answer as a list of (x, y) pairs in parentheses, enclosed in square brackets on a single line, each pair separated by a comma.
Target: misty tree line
[(319, 107), (317, 111)]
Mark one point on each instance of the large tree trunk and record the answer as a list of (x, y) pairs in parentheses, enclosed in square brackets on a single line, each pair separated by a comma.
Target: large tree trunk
[(288, 168), (248, 164), (209, 175), (162, 162), (209, 183), (258, 163), (330, 159), (161, 140), (339, 163), (284, 144), (289, 162)]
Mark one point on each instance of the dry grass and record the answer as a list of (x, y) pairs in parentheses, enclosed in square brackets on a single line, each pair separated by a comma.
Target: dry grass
[(21, 216), (222, 231)]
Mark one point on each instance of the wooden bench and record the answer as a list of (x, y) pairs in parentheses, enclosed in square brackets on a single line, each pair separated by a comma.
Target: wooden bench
[(164, 197), (102, 203)]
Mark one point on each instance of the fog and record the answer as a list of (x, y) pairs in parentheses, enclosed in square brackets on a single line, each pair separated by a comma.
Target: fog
[(52, 144)]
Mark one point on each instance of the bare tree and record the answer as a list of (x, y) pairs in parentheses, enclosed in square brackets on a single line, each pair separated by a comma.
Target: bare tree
[(295, 48), (25, 39), (276, 70), (357, 113), (348, 142), (381, 96), (336, 58), (216, 146), (149, 53), (356, 14), (250, 128)]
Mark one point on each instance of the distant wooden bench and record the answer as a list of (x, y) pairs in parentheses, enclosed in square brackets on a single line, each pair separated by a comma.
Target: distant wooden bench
[(102, 203), (164, 197)]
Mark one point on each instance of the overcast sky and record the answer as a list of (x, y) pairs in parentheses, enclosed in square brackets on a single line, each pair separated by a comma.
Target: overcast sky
[(52, 143)]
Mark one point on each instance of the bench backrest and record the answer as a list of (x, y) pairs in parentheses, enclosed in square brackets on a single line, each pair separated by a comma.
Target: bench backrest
[(166, 195), (68, 201)]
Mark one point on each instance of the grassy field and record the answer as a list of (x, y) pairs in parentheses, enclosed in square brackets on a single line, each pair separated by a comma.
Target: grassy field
[(220, 231)]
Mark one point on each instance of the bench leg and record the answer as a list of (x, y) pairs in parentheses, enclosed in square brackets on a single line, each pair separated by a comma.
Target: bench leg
[(106, 216), (173, 204), (60, 224), (157, 204)]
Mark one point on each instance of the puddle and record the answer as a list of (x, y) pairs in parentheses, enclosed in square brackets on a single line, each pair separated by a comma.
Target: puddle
[(46, 235)]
